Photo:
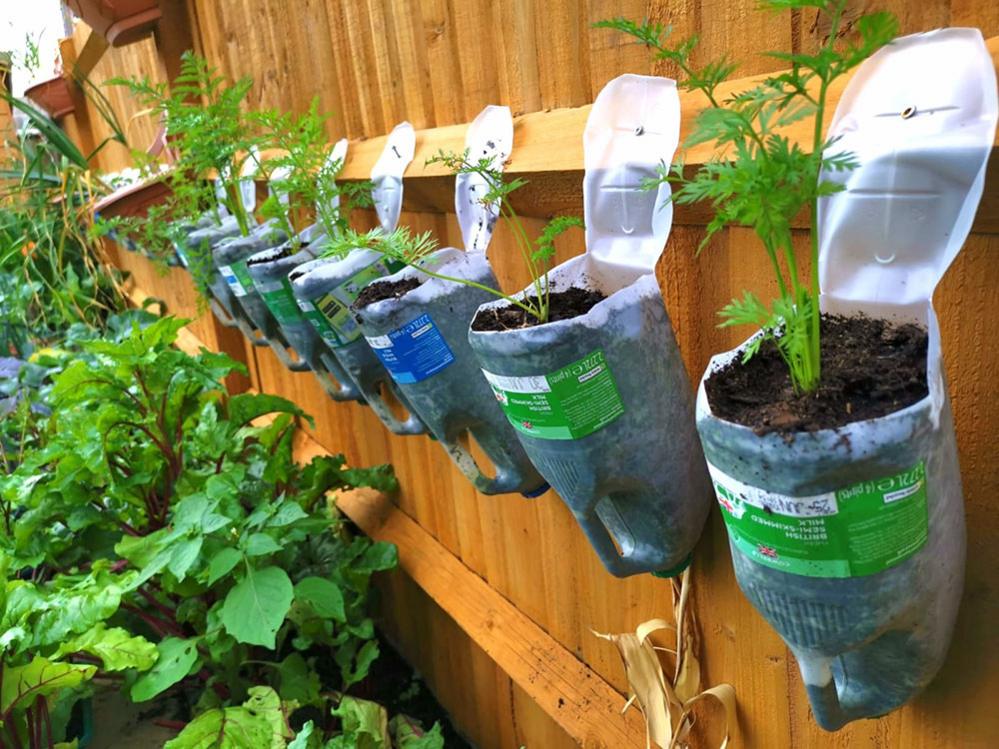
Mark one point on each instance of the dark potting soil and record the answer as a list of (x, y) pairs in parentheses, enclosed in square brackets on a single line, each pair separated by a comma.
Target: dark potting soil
[(870, 368), (562, 305), (271, 257), (375, 292)]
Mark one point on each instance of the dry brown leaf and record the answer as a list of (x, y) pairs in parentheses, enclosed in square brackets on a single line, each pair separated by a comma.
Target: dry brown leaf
[(725, 694), (648, 685), (666, 703), (688, 677)]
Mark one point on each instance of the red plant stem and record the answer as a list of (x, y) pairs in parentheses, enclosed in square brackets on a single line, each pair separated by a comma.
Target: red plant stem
[(34, 727), (167, 612), (159, 626), (48, 721), (125, 527), (173, 725)]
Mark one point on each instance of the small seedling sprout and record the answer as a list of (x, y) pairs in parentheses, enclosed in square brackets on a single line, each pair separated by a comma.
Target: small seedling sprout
[(411, 249), (308, 178)]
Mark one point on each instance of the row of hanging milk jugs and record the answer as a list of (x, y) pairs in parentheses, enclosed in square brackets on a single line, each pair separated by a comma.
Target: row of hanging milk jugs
[(600, 406)]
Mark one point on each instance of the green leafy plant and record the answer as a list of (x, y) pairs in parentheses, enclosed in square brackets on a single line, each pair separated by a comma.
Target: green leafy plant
[(263, 720), (412, 249), (55, 641), (52, 272), (302, 176), (213, 138), (761, 179), (233, 564)]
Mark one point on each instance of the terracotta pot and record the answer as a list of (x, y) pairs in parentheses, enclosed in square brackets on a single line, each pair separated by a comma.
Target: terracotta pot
[(121, 22), (53, 96), (135, 200)]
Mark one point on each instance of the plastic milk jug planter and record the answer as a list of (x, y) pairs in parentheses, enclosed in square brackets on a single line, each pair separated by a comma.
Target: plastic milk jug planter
[(326, 288), (221, 225), (181, 230), (227, 287), (601, 402), (257, 309), (233, 286), (422, 337), (851, 541), (270, 270)]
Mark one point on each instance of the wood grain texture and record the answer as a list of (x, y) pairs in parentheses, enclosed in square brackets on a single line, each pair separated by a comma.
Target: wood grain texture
[(430, 66)]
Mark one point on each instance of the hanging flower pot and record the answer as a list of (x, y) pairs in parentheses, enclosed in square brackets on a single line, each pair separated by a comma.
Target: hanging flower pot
[(194, 246), (135, 200), (599, 397), (230, 281), (121, 22), (848, 534), (53, 96), (227, 288), (132, 201), (327, 287), (269, 271), (418, 327)]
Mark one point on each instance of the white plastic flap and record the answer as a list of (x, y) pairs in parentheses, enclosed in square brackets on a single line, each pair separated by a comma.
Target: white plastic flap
[(490, 135), (387, 174), (337, 154), (247, 187), (920, 118), (631, 134)]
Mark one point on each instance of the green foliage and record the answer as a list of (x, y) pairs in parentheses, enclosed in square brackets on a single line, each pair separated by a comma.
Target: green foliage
[(260, 722), (365, 725), (411, 249), (537, 256), (224, 549), (758, 177), (212, 135), (53, 642), (401, 245), (51, 271), (302, 176)]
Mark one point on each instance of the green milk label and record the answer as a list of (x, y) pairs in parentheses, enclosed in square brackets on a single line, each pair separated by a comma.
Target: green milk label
[(860, 530), (280, 301), (238, 277), (330, 314), (567, 404)]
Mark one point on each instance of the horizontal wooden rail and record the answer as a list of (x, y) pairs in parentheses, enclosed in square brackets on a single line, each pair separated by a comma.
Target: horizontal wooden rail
[(585, 706), (548, 152)]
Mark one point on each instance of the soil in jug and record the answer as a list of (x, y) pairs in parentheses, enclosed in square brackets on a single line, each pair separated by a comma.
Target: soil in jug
[(379, 290), (563, 305), (870, 368)]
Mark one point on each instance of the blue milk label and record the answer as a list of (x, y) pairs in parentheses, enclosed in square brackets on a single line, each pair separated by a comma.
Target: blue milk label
[(413, 352)]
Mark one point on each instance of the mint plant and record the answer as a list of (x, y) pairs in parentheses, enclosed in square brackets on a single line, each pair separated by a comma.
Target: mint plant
[(537, 256), (302, 176), (759, 178)]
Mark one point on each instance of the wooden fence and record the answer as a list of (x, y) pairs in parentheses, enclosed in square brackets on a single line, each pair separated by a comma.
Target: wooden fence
[(499, 595)]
